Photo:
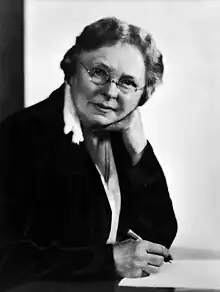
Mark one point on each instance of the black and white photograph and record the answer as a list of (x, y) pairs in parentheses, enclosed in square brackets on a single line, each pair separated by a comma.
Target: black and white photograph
[(109, 145)]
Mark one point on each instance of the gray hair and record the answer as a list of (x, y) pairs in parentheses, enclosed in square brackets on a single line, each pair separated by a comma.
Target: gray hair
[(111, 31)]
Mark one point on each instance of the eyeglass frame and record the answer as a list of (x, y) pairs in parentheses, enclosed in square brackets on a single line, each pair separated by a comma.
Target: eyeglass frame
[(108, 80)]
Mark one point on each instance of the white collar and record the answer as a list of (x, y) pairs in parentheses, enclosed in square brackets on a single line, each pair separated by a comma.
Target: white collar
[(71, 119)]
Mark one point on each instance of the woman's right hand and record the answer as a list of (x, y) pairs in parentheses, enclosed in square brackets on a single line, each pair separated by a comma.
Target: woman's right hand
[(138, 258)]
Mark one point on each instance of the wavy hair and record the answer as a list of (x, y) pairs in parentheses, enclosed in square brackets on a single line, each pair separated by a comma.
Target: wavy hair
[(110, 31)]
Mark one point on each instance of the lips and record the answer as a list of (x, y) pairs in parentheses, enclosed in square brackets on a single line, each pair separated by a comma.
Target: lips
[(104, 107)]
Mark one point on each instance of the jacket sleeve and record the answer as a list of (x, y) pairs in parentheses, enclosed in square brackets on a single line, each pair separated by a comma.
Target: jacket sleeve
[(148, 206), (20, 257), (155, 215)]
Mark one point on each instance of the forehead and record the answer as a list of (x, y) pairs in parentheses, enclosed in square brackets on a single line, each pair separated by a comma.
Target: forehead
[(120, 58)]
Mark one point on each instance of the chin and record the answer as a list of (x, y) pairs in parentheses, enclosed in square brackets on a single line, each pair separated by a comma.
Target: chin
[(99, 121)]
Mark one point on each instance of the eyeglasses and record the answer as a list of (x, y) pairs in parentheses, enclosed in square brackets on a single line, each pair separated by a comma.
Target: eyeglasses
[(100, 76)]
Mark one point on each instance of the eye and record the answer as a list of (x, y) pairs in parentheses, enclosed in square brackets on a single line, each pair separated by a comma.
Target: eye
[(128, 83), (99, 73)]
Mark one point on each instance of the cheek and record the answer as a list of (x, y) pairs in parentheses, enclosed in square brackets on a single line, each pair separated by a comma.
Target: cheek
[(129, 104), (86, 93), (82, 96)]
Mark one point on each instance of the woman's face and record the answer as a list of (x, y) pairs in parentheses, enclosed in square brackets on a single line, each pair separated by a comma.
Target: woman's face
[(100, 105)]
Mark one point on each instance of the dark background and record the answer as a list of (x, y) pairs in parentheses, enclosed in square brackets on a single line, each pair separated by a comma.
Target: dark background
[(11, 57)]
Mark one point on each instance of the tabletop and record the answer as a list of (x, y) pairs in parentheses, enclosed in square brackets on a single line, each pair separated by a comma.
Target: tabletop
[(28, 285), (101, 286)]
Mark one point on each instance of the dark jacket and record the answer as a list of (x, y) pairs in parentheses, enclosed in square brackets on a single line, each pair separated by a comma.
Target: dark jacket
[(55, 217)]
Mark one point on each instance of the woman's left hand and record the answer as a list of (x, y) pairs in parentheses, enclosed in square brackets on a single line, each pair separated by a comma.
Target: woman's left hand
[(133, 134), (134, 137)]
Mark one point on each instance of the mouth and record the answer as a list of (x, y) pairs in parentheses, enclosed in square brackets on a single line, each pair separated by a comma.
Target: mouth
[(103, 108)]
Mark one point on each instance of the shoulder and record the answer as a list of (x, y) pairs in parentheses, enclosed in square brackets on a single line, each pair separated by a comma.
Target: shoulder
[(43, 114)]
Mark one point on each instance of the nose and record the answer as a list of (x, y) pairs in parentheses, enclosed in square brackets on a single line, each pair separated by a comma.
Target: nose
[(111, 89)]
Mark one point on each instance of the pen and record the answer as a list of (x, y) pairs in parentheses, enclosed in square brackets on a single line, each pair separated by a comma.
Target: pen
[(135, 236)]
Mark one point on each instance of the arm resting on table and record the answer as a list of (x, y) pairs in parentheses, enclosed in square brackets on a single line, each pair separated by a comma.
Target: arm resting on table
[(156, 219)]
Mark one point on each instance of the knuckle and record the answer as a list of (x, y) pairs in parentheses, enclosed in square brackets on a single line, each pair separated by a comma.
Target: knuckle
[(160, 260), (165, 250)]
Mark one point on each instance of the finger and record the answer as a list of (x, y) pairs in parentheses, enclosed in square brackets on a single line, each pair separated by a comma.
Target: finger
[(148, 246), (156, 248), (153, 269), (156, 260), (143, 266)]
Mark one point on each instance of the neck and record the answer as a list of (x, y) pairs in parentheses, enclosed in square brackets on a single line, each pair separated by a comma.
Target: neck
[(95, 132)]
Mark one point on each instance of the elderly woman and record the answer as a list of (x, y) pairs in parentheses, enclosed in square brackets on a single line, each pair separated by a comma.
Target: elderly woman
[(79, 172)]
